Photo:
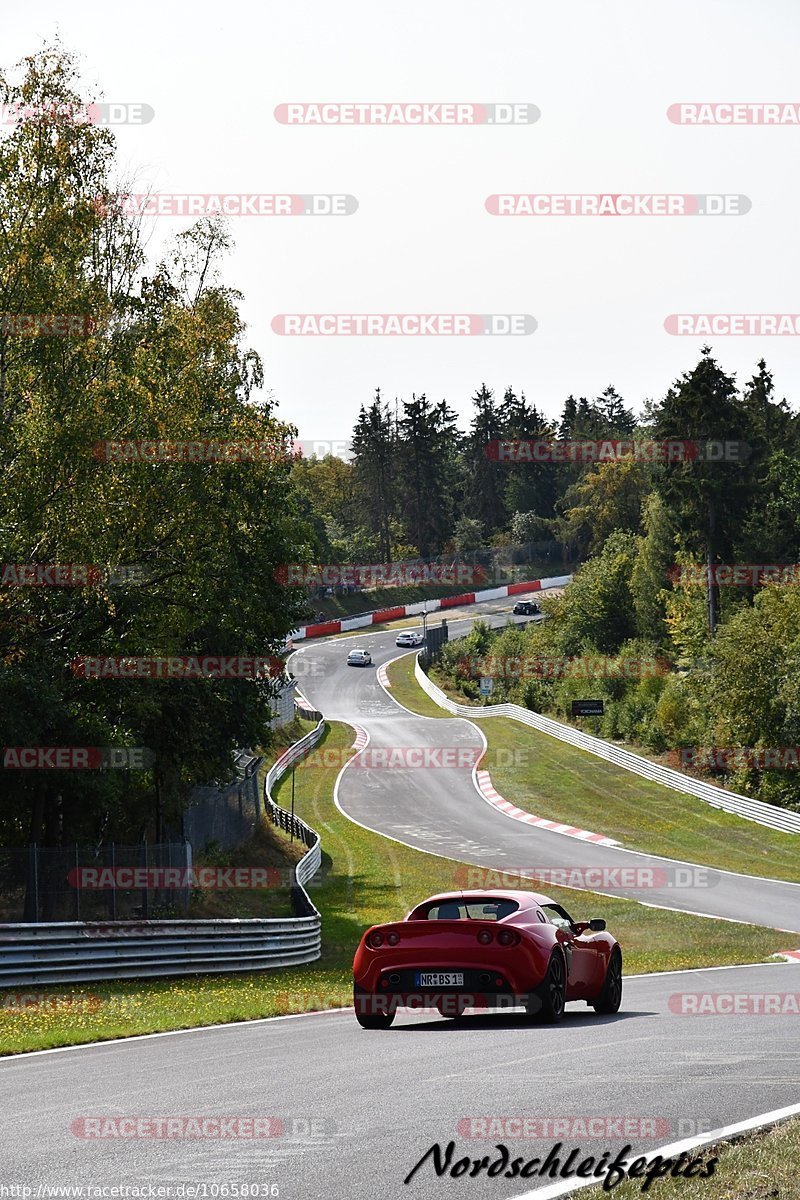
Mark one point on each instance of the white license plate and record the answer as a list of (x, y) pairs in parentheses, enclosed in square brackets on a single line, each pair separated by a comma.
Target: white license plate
[(440, 979)]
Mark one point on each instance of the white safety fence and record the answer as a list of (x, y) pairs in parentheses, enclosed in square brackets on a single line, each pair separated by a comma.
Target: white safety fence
[(742, 806)]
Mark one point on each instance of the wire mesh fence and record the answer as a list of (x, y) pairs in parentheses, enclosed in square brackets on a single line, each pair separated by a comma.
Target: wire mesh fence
[(80, 883), (88, 883), (225, 817)]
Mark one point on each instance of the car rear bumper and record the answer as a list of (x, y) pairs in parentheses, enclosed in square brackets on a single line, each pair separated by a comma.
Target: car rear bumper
[(450, 1001), (483, 980)]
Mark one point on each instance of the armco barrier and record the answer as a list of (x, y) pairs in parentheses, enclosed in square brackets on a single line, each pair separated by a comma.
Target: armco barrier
[(77, 952), (740, 806), (80, 951), (311, 862)]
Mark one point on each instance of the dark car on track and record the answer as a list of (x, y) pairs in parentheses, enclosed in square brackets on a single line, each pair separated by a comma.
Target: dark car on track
[(486, 949), (526, 608)]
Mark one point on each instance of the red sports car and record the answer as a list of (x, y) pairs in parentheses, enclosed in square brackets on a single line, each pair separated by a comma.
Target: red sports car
[(489, 949)]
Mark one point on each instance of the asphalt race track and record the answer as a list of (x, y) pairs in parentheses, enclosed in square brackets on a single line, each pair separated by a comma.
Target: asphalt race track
[(358, 1109), (379, 1099), (439, 809)]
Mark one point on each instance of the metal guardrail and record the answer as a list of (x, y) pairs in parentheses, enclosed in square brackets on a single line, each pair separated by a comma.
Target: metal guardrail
[(78, 952), (768, 815), (81, 951), (310, 863)]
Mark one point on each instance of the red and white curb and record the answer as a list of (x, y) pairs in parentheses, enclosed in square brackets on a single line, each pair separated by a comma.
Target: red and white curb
[(362, 738), (326, 628), (383, 676), (494, 798), (789, 955)]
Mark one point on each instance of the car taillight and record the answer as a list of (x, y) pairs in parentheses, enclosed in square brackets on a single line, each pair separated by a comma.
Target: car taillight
[(375, 939), (485, 937), (393, 938), (506, 937)]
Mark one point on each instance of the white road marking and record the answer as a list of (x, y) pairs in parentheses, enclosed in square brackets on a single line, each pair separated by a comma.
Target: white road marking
[(569, 1186)]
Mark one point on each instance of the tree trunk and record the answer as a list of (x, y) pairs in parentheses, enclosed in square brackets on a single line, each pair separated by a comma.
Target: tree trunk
[(711, 583)]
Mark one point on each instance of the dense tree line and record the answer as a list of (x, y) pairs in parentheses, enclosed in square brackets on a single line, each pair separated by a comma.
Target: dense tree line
[(417, 486), (165, 359), (683, 664)]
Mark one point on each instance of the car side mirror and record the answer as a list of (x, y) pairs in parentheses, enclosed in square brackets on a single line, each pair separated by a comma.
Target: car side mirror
[(597, 925)]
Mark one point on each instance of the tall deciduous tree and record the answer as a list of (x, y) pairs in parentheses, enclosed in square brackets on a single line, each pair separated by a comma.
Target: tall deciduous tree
[(166, 363), (607, 498)]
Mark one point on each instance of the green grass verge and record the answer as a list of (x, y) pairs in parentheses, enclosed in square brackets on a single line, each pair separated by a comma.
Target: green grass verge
[(266, 848), (369, 879), (759, 1166), (404, 688), (561, 783), (366, 879)]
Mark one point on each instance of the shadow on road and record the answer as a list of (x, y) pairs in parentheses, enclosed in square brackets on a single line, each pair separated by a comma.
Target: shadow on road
[(516, 1020)]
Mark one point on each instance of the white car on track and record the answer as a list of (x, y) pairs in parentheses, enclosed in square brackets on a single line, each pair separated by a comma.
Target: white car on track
[(411, 637), (359, 658)]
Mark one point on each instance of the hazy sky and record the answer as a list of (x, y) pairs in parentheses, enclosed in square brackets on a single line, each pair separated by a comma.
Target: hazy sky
[(602, 75)]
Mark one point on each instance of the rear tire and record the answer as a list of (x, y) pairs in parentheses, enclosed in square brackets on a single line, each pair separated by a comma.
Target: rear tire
[(610, 998), (546, 1004), (373, 1012)]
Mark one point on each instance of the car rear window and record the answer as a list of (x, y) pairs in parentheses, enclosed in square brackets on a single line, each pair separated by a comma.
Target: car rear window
[(471, 910)]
